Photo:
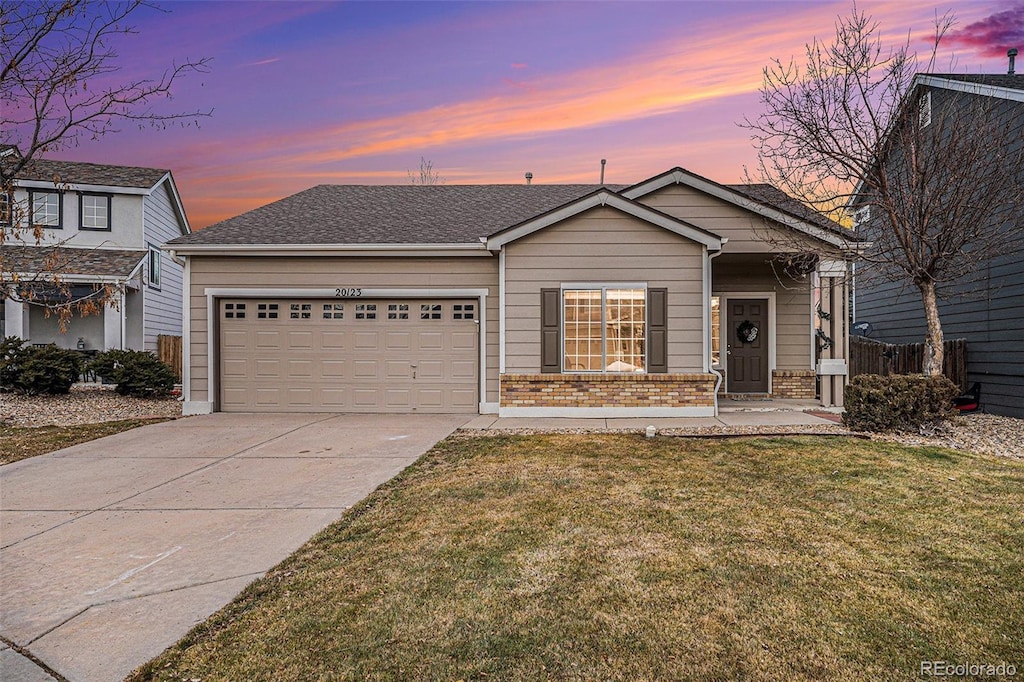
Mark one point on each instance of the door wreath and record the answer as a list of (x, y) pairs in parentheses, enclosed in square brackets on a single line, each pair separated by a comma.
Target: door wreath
[(747, 331)]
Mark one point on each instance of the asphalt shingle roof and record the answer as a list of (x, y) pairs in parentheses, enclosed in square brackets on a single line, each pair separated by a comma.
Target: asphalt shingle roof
[(79, 173), (1003, 80), (776, 198), (70, 261), (390, 214)]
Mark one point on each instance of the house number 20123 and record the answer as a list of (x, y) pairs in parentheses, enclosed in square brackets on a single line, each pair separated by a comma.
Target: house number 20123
[(347, 293)]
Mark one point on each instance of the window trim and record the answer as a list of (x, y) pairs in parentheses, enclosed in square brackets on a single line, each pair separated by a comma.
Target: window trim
[(603, 287), (154, 256), (32, 193), (81, 211)]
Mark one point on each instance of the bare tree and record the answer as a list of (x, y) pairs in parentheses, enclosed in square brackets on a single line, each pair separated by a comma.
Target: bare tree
[(58, 87), (851, 128), (426, 175)]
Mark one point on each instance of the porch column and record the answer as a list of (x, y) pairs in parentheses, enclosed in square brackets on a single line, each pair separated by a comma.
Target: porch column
[(833, 367), (113, 323), (15, 318)]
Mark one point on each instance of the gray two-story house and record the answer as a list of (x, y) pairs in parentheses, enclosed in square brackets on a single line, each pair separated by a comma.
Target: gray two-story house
[(986, 307), (95, 225)]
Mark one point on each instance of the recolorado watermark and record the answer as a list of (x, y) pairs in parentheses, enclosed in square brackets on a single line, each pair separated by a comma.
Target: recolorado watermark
[(949, 669)]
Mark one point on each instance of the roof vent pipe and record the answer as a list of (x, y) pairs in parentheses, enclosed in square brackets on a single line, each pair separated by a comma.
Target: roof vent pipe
[(529, 177), (603, 162), (1011, 53)]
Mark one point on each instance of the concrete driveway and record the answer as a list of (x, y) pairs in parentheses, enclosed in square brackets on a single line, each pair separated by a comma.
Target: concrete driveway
[(111, 550)]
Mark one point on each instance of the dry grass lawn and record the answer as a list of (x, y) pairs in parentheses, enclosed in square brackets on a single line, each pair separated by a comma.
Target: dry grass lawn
[(18, 442), (622, 558)]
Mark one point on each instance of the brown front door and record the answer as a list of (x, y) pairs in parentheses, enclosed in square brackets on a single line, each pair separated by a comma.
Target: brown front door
[(747, 346)]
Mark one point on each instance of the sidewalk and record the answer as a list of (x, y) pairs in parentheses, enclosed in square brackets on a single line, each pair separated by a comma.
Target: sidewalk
[(770, 414)]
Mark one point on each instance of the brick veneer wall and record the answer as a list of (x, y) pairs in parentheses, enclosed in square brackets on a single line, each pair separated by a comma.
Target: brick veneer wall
[(793, 383), (607, 390)]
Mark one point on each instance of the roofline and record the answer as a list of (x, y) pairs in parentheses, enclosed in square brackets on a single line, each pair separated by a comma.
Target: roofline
[(967, 86), (178, 206), (682, 176), (83, 187), (606, 197), (458, 249)]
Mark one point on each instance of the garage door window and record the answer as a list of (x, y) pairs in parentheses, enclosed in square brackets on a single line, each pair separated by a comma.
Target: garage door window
[(334, 311), (266, 311), (430, 311), (301, 311), (234, 311), (463, 311), (398, 311), (366, 311)]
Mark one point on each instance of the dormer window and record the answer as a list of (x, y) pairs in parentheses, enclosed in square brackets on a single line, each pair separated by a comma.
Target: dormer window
[(45, 207), (94, 211), (924, 110)]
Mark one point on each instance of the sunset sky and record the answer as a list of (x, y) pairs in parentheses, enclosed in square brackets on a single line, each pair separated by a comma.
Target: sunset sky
[(304, 93)]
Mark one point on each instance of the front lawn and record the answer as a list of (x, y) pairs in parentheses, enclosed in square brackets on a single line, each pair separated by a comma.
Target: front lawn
[(619, 557), (19, 442)]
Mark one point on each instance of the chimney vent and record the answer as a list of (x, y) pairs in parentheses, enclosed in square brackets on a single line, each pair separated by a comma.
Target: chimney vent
[(529, 177), (603, 162), (1011, 53)]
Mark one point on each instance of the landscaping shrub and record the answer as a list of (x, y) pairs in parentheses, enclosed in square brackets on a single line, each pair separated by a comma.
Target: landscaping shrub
[(898, 402), (37, 369), (136, 373)]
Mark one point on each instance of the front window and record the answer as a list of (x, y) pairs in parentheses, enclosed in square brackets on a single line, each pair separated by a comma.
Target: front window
[(94, 211), (716, 324), (605, 329), (45, 208)]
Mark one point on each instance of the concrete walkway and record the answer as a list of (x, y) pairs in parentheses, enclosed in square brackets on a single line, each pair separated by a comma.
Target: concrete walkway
[(769, 413), (111, 550)]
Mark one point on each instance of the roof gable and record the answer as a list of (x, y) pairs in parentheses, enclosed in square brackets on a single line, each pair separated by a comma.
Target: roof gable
[(764, 200), (608, 198)]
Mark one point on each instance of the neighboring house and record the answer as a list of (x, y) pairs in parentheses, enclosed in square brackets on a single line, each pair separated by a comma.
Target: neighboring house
[(99, 225), (560, 300), (988, 310)]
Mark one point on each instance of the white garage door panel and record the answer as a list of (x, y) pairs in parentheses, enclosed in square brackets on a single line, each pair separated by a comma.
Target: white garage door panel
[(355, 356)]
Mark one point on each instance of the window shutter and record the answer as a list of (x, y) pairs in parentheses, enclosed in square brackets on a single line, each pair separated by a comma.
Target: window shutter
[(657, 331), (550, 336)]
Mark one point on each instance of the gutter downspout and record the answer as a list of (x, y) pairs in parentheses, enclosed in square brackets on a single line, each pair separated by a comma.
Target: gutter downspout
[(711, 365)]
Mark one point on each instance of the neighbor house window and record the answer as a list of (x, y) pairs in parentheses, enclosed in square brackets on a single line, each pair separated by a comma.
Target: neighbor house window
[(45, 208), (861, 216), (924, 110), (6, 206), (94, 211), (605, 329), (154, 267)]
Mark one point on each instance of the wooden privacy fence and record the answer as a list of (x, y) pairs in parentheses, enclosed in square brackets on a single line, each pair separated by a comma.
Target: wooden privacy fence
[(868, 356), (168, 349)]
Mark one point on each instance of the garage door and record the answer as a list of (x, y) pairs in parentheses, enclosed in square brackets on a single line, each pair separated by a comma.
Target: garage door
[(354, 355)]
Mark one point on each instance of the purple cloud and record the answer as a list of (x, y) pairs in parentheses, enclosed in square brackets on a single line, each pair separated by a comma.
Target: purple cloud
[(993, 35)]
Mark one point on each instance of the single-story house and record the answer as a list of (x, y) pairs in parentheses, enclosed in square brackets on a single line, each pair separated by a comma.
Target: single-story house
[(656, 299)]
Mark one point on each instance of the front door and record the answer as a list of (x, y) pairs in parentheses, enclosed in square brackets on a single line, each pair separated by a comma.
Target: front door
[(747, 346)]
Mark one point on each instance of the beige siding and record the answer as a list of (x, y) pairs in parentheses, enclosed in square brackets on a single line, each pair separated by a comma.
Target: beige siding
[(603, 246), (792, 306), (747, 232), (282, 272)]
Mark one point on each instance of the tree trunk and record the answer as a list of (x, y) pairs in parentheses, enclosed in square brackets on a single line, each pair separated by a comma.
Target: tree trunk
[(934, 352)]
